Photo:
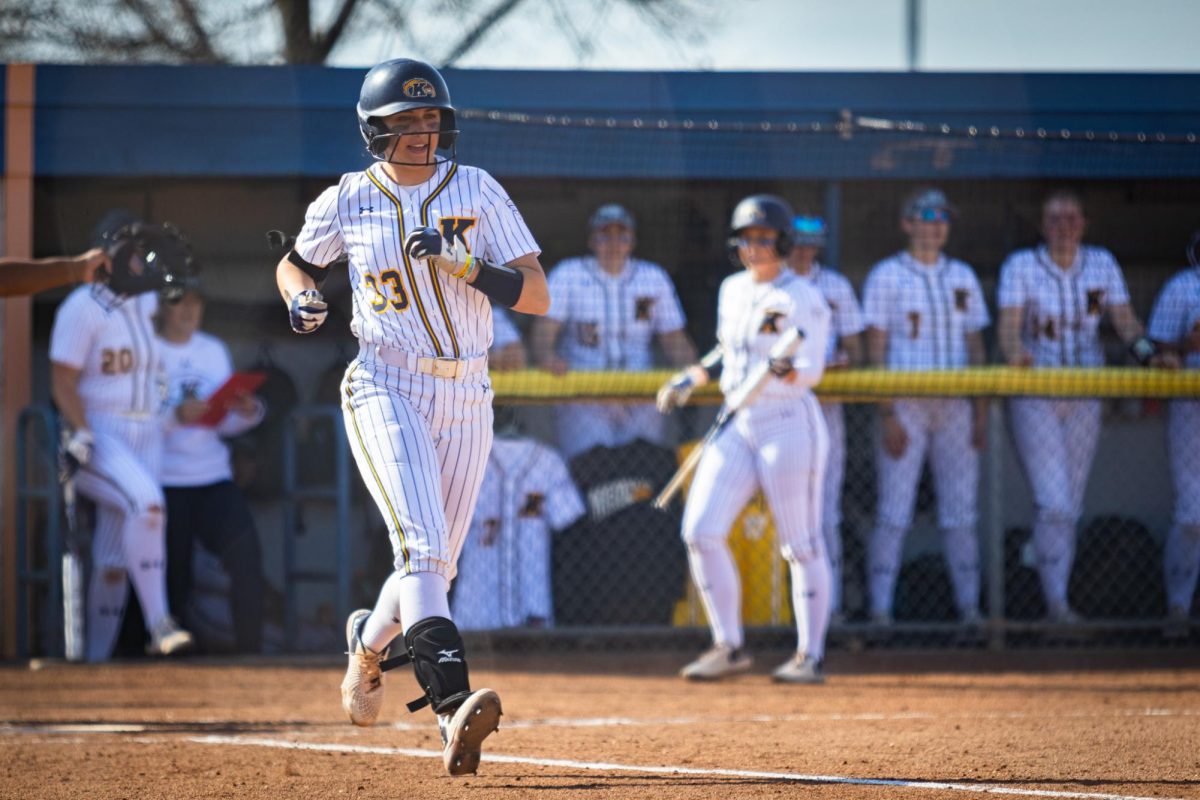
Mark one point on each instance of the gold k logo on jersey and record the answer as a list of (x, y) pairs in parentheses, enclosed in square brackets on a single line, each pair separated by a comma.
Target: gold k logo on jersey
[(418, 88), (455, 228)]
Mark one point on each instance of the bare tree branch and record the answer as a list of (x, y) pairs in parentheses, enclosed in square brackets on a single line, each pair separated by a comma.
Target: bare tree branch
[(326, 41), (201, 45), (473, 36)]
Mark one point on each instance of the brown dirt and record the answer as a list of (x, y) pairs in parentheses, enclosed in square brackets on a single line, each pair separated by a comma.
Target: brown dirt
[(1115, 724)]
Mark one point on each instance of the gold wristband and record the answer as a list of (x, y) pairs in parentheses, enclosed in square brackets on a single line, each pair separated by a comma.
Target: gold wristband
[(466, 268)]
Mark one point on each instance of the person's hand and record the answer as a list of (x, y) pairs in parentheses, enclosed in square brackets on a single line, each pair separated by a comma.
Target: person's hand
[(77, 447), (88, 263), (555, 365), (190, 410), (1021, 359), (450, 256), (895, 438), (308, 311), (675, 392), (244, 404)]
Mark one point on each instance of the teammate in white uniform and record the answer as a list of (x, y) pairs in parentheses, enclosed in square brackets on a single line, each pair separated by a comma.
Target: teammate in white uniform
[(845, 350), (926, 311), (778, 444), (508, 351), (1175, 325), (504, 573), (203, 504), (107, 381), (1051, 299), (606, 311), (429, 243)]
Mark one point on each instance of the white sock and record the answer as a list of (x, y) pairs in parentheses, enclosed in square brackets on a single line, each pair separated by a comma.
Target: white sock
[(810, 604), (404, 601), (383, 625), (833, 546), (716, 579), (143, 541), (1181, 561), (883, 566), (107, 591), (962, 559), (1054, 544)]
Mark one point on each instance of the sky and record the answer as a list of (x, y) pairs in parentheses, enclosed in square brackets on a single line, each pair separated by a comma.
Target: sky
[(784, 35)]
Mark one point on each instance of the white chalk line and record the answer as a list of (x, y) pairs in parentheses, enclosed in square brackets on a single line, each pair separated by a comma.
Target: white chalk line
[(601, 766), (618, 722)]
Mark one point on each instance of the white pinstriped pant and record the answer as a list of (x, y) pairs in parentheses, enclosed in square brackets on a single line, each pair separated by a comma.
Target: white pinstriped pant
[(422, 445), (1181, 555), (831, 496), (782, 448), (129, 540)]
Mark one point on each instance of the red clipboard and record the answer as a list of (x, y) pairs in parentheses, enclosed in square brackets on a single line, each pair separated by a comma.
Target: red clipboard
[(219, 402)]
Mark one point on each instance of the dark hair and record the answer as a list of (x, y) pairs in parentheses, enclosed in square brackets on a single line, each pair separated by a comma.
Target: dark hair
[(1064, 195)]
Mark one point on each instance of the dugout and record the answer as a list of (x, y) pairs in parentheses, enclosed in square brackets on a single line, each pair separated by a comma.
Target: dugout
[(230, 152)]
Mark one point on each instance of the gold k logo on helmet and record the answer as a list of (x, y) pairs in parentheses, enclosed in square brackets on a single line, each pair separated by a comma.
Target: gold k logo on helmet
[(419, 87)]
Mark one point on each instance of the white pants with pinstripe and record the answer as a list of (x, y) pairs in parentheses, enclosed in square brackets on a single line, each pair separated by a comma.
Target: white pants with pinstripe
[(422, 445), (782, 449), (129, 540)]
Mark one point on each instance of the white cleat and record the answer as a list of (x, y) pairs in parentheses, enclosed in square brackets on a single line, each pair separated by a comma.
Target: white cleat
[(799, 669), (716, 663), (463, 733), (168, 639), (362, 688)]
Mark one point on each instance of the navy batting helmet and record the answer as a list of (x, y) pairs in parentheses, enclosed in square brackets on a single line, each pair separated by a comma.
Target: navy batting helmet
[(763, 211), (402, 84)]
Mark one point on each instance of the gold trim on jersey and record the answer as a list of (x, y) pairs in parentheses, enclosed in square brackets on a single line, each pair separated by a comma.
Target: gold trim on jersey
[(412, 278), (349, 407), (434, 278)]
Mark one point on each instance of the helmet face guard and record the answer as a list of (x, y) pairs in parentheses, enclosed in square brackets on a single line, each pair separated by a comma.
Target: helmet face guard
[(403, 84), (762, 211), (149, 258)]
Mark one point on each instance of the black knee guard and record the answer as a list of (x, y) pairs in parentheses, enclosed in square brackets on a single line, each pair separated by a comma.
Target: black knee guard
[(439, 660)]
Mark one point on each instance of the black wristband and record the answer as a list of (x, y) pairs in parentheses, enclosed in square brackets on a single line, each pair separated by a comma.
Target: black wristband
[(712, 362), (501, 283), (318, 274)]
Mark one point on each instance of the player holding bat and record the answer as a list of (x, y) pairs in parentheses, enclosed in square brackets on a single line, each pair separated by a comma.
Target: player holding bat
[(777, 441)]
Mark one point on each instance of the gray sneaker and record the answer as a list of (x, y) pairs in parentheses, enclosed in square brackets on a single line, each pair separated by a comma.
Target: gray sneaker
[(716, 663), (362, 688), (463, 732), (799, 669), (168, 639)]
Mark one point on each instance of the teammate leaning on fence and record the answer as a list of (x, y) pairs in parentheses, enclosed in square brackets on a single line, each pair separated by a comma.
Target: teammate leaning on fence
[(1175, 326), (778, 443), (431, 244), (1052, 298), (107, 381), (925, 310), (607, 310), (845, 350)]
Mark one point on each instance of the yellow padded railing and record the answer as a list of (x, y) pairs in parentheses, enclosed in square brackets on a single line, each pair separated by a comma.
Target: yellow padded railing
[(536, 386)]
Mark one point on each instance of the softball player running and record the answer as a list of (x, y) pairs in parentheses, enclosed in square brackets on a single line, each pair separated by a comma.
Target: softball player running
[(106, 378), (845, 350), (1175, 325), (606, 311), (429, 243), (925, 310), (1051, 299), (778, 444)]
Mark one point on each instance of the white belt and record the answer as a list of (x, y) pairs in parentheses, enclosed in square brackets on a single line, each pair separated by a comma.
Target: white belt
[(454, 368)]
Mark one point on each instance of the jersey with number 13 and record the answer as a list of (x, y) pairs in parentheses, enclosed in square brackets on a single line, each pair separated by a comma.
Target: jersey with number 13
[(402, 303)]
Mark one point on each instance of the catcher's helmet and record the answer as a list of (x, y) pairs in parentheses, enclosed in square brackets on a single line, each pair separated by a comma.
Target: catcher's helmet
[(149, 258), (763, 211), (402, 84)]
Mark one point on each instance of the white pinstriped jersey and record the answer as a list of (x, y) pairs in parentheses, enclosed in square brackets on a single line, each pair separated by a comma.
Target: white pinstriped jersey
[(926, 310), (610, 321), (412, 306), (504, 569), (750, 318), (111, 340), (1177, 312), (195, 455), (504, 332), (843, 304), (1062, 308)]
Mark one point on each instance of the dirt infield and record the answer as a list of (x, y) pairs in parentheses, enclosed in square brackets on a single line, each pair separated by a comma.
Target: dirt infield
[(1097, 725)]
